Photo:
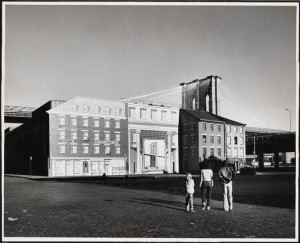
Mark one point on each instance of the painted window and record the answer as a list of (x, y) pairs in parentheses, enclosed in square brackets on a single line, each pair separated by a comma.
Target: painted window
[(241, 140), (163, 115), (85, 135), (62, 148), (173, 116), (107, 136), (96, 123), (117, 124), (228, 140), (204, 151), (85, 149), (228, 128), (85, 122), (117, 136), (74, 149), (96, 149), (173, 139), (143, 113), (242, 154), (62, 121), (131, 112), (219, 152), (96, 136), (97, 109), (106, 123), (74, 134), (235, 129), (241, 130), (107, 110), (229, 151), (153, 114), (62, 134), (107, 149), (74, 121), (117, 150), (235, 152), (118, 111), (133, 137)]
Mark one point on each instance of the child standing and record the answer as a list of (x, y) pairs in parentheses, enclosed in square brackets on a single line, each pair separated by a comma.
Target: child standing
[(189, 186)]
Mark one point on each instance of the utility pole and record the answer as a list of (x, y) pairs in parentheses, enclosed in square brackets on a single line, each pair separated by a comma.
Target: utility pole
[(254, 152)]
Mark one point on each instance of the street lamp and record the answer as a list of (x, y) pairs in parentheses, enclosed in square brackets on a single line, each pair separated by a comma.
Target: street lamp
[(290, 117)]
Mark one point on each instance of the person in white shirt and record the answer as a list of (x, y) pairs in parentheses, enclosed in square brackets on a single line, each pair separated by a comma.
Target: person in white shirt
[(189, 187), (206, 184)]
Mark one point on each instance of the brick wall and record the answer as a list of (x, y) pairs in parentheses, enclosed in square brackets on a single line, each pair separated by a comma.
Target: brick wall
[(68, 127)]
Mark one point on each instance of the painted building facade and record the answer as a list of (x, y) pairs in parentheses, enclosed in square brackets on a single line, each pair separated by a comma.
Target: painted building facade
[(202, 134), (88, 137), (153, 138)]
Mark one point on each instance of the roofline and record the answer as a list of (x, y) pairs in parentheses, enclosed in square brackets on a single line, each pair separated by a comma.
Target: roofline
[(185, 110)]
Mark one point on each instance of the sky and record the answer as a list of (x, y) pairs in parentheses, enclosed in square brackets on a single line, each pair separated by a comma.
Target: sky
[(59, 52)]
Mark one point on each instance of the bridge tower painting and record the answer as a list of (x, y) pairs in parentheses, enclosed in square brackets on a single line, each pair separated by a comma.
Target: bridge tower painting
[(201, 94)]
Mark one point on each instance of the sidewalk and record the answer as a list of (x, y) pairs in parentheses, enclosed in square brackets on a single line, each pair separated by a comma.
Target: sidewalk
[(34, 177)]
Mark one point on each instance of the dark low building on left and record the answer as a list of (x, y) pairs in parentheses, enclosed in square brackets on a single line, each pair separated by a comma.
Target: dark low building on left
[(27, 146)]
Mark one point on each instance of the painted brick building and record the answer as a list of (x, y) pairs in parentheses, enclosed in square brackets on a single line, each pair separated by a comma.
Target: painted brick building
[(203, 134), (88, 137)]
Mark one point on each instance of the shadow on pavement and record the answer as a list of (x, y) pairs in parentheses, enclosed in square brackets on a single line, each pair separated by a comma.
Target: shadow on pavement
[(159, 203), (263, 190)]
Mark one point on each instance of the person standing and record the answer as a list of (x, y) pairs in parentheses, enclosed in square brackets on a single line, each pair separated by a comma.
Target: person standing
[(226, 175), (206, 184), (189, 186)]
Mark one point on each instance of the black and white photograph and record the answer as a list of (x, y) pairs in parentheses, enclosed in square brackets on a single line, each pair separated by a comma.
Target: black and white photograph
[(149, 121)]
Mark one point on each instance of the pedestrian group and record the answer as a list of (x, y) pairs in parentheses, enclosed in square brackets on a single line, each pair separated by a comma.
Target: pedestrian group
[(226, 177)]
